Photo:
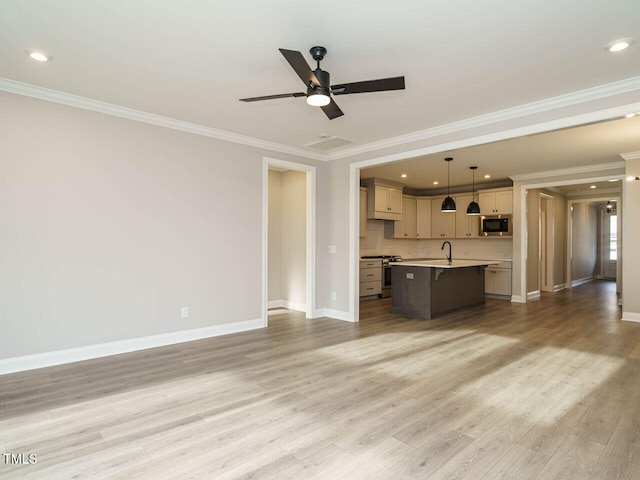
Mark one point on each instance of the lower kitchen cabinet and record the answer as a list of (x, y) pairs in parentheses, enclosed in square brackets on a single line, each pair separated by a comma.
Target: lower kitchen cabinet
[(370, 277), (497, 279)]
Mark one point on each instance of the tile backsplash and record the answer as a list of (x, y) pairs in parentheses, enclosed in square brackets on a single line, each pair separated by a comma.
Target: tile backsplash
[(476, 248)]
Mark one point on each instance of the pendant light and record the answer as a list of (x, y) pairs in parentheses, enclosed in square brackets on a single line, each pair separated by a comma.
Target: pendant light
[(473, 208), (449, 204)]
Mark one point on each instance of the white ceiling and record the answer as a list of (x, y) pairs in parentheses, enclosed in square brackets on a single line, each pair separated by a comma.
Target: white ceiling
[(192, 60)]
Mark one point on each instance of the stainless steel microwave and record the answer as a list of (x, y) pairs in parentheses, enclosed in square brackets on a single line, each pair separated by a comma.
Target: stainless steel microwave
[(496, 225)]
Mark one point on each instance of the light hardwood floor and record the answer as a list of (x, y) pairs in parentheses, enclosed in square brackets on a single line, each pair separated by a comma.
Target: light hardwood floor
[(545, 390)]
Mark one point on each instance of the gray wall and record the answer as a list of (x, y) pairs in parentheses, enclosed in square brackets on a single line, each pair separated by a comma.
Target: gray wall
[(109, 226)]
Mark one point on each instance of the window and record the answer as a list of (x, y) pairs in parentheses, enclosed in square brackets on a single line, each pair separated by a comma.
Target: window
[(613, 237)]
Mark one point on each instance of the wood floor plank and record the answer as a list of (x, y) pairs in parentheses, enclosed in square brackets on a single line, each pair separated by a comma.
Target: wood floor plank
[(543, 390)]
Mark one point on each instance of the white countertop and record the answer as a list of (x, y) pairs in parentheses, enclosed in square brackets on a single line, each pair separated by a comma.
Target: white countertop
[(446, 264)]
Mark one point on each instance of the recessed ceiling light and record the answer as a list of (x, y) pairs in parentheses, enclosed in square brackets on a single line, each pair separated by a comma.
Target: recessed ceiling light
[(38, 56), (487, 176), (435, 183), (592, 186), (404, 175), (619, 45)]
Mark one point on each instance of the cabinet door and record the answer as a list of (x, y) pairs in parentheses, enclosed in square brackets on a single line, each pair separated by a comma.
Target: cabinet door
[(501, 281), (466, 225), (363, 212), (409, 219), (381, 199), (497, 281), (487, 203), (395, 200), (406, 227), (443, 225), (423, 218), (504, 202)]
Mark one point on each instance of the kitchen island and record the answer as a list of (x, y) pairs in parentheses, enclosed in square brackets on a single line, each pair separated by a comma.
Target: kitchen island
[(424, 289)]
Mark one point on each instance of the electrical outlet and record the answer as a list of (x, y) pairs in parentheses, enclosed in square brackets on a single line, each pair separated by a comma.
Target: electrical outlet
[(184, 313), (334, 296), (332, 249)]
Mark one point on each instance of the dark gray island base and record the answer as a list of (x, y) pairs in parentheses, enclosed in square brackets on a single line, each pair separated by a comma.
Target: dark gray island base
[(424, 290)]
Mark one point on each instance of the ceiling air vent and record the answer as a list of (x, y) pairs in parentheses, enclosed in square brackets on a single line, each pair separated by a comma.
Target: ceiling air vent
[(329, 143)]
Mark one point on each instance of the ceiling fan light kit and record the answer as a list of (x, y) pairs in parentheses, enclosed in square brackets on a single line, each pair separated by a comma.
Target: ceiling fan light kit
[(319, 89)]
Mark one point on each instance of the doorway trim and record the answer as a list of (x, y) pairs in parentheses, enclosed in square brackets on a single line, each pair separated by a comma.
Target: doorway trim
[(570, 203), (547, 284), (310, 233)]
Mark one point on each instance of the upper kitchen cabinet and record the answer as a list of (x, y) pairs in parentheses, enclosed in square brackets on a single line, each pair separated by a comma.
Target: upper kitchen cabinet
[(443, 225), (496, 202), (423, 217), (384, 199), (406, 227), (467, 226)]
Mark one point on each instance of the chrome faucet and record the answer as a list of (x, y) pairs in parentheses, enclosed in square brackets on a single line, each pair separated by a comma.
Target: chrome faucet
[(448, 256)]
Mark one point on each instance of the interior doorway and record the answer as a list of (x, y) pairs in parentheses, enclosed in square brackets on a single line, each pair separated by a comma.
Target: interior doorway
[(288, 237), (609, 250)]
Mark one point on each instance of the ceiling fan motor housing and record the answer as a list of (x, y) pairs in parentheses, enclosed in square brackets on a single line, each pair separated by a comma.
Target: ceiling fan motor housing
[(324, 79)]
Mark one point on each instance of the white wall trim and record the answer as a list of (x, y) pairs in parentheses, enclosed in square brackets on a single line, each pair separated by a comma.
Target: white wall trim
[(559, 287), (569, 171), (297, 306), (573, 98), (631, 155), (582, 281), (631, 316), (517, 299), (335, 314), (55, 96), (78, 354), (581, 96), (533, 295)]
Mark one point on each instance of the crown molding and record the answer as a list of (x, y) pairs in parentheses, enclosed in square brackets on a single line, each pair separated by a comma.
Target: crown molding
[(569, 171), (615, 88), (68, 99), (631, 155), (590, 94)]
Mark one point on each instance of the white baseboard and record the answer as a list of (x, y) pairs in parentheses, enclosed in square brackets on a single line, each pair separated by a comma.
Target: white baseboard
[(517, 299), (582, 281), (335, 314), (631, 316), (559, 287), (70, 355), (299, 307), (533, 295)]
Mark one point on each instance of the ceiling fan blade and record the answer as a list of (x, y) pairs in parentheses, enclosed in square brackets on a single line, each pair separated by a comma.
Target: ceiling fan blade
[(380, 85), (300, 66), (332, 110), (271, 97)]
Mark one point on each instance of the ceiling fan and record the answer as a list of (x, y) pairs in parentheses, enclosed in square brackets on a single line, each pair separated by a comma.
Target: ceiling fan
[(319, 88)]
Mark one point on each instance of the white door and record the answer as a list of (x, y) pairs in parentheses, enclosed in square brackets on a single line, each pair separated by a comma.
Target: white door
[(610, 245)]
